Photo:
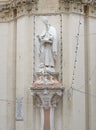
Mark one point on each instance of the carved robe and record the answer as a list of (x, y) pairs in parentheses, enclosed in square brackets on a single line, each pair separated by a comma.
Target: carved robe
[(48, 49)]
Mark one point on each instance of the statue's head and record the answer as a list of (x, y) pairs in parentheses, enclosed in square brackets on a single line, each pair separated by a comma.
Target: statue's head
[(45, 20)]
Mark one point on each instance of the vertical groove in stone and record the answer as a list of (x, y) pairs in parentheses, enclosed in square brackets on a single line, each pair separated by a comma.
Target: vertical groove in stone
[(86, 46), (15, 65), (11, 75), (61, 53), (34, 49)]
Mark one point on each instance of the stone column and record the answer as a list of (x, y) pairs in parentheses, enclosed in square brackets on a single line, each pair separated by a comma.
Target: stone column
[(3, 75), (52, 118), (74, 75), (12, 74), (24, 71), (66, 72), (91, 35), (47, 119), (77, 74), (42, 118), (87, 70)]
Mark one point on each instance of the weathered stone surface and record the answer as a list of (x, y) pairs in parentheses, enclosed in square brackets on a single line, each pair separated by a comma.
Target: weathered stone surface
[(17, 69), (46, 79)]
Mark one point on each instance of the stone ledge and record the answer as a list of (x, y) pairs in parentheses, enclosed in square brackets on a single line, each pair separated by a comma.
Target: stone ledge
[(47, 87)]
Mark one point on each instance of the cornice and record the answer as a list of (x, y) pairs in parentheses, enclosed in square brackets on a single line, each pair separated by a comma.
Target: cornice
[(71, 7), (16, 8), (15, 4), (88, 2), (85, 7)]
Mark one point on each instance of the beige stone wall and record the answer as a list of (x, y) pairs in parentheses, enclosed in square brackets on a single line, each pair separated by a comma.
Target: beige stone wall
[(4, 0), (92, 72), (73, 109), (11, 72), (3, 75), (16, 69), (24, 66)]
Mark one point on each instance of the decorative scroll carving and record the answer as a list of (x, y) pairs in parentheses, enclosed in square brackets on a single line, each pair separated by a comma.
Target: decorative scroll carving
[(19, 109), (80, 1), (47, 78), (48, 97), (47, 90)]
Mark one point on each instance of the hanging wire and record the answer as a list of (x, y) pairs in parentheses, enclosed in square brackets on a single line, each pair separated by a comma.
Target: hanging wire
[(84, 92)]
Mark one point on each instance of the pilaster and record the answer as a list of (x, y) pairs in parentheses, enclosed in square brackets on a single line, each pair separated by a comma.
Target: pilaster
[(4, 76), (24, 70)]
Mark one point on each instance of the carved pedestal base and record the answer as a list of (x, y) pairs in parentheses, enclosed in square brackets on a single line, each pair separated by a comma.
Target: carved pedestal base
[(47, 91), (46, 79)]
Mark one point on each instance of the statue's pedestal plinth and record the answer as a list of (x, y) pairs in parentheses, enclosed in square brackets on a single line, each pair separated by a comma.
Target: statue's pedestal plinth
[(47, 91), (47, 79)]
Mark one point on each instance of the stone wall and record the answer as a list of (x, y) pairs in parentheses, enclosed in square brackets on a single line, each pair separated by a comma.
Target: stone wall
[(76, 30)]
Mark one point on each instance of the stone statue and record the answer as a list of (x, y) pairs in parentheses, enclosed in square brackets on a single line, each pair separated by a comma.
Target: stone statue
[(48, 46)]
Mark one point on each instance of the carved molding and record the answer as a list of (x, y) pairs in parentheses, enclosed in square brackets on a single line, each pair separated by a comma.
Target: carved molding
[(16, 8), (15, 4), (79, 1), (78, 6), (48, 79)]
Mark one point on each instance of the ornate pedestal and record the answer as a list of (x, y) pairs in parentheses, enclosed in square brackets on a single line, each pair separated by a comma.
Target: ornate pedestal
[(47, 92)]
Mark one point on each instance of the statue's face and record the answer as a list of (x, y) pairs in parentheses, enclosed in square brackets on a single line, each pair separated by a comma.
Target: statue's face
[(45, 21)]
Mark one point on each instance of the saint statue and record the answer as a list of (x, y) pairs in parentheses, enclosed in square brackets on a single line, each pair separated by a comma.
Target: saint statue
[(48, 46)]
